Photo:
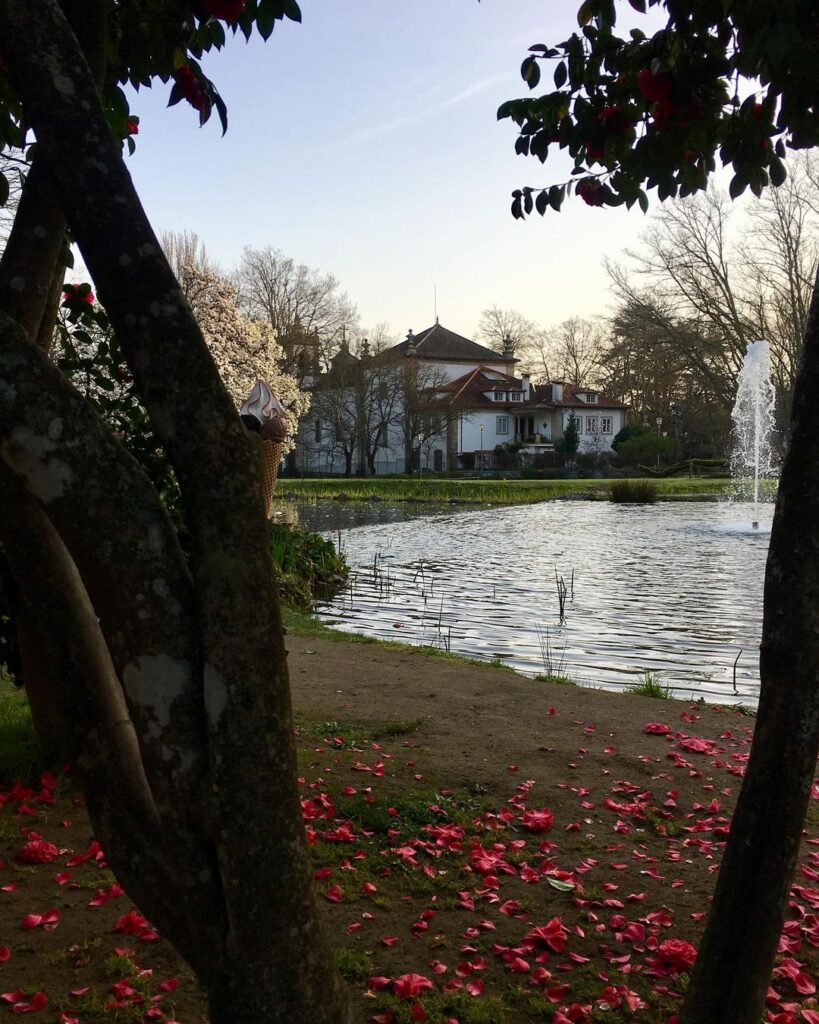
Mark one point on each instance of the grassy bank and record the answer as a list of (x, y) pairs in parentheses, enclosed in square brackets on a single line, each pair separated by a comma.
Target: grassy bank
[(484, 492)]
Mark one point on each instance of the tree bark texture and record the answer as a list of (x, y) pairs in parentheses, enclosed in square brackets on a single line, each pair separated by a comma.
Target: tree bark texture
[(736, 955), (196, 647)]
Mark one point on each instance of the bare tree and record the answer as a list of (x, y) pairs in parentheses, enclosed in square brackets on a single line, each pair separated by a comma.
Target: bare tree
[(577, 348), (499, 328), (426, 409), (714, 291), (378, 396), (306, 308), (778, 253)]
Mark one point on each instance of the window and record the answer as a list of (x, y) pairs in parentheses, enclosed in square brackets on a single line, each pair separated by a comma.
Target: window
[(318, 428), (500, 396), (501, 425), (607, 426), (592, 424), (516, 396), (590, 398)]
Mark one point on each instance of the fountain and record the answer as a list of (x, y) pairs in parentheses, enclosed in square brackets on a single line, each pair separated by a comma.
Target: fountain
[(753, 417)]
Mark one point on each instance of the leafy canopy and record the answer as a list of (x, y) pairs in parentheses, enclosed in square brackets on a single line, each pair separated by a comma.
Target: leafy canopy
[(734, 79), (158, 39)]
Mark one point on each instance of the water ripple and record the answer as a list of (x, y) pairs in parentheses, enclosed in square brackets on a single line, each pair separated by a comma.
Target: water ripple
[(672, 588)]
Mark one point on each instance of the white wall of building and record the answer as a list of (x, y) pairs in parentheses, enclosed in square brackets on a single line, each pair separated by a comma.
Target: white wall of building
[(597, 427)]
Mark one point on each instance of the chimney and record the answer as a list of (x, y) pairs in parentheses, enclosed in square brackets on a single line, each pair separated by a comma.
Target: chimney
[(557, 391), (527, 385), (508, 348), (410, 343)]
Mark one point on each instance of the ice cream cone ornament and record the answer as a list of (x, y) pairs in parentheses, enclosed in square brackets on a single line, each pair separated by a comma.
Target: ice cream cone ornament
[(263, 413)]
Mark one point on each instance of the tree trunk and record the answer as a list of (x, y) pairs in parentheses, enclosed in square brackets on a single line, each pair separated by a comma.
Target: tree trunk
[(736, 955), (31, 280), (223, 870)]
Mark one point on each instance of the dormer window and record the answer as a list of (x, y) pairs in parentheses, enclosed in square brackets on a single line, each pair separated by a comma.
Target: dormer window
[(500, 396), (591, 398), (516, 396)]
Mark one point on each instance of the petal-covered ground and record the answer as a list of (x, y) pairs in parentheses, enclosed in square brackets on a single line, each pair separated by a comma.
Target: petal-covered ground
[(486, 849)]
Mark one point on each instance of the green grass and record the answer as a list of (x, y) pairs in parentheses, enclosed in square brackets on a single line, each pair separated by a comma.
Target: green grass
[(481, 492), (559, 680), (20, 755), (649, 685)]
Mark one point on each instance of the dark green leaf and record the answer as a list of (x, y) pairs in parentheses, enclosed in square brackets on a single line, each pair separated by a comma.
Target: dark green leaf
[(4, 189), (586, 12), (291, 10), (739, 183), (530, 72), (561, 74), (221, 110), (266, 17), (542, 202), (777, 171)]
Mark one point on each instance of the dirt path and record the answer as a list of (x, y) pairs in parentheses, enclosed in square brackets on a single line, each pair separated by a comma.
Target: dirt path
[(477, 720)]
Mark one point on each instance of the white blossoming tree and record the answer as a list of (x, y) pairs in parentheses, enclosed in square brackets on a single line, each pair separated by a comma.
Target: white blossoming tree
[(244, 350)]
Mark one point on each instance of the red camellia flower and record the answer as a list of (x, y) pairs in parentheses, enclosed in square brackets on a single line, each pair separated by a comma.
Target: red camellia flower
[(77, 295), (552, 934), (537, 821), (37, 851), (132, 126), (591, 192), (410, 986), (226, 10), (673, 957), (189, 87), (654, 88)]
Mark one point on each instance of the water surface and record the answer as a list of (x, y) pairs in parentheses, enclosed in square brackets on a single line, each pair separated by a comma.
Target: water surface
[(672, 588)]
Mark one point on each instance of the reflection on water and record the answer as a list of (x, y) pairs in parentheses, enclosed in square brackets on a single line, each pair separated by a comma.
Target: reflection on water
[(673, 588)]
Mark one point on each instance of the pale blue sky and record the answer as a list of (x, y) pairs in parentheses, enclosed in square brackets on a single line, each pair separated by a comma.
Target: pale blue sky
[(364, 142)]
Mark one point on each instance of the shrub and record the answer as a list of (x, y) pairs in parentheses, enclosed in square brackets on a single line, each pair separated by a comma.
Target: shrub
[(309, 567), (627, 432), (645, 447), (636, 491), (570, 441)]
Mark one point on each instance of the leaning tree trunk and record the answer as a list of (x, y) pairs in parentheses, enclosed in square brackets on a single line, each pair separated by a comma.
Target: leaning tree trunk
[(736, 955), (33, 254), (181, 657)]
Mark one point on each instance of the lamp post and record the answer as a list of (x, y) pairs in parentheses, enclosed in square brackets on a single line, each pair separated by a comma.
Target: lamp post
[(481, 451), (659, 435)]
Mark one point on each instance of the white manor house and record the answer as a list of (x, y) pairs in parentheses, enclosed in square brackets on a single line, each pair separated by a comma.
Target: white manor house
[(438, 401)]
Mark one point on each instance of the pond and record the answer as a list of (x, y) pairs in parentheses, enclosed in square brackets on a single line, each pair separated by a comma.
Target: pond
[(673, 588)]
